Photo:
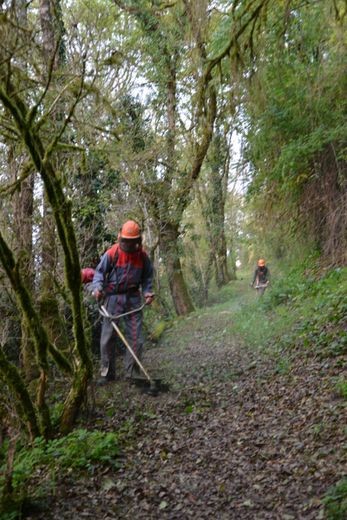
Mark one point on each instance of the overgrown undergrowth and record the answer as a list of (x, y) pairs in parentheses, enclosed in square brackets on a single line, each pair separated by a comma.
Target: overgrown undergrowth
[(37, 470), (306, 310)]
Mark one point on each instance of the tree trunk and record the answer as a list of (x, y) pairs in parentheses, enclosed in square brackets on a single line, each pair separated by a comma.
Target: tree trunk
[(49, 307), (178, 288), (222, 273), (169, 237), (23, 207), (74, 401), (212, 203), (23, 222), (38, 333), (219, 178), (22, 402)]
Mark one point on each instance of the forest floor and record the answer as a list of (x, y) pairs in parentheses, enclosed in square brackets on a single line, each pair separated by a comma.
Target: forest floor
[(235, 437)]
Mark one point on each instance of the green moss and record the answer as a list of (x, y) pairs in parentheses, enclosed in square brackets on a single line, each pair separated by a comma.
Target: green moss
[(158, 329)]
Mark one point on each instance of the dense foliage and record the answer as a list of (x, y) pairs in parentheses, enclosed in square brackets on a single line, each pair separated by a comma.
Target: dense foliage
[(295, 127)]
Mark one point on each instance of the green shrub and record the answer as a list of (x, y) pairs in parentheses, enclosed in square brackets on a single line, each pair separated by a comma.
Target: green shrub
[(341, 388), (320, 307), (335, 501), (81, 450)]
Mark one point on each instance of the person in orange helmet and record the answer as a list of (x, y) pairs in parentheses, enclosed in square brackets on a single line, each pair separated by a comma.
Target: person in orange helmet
[(122, 278), (261, 278)]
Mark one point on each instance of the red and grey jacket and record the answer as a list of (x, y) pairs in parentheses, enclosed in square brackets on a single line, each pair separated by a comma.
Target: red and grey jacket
[(119, 272)]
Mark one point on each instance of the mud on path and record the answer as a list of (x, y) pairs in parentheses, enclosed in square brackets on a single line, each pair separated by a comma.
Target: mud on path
[(233, 439)]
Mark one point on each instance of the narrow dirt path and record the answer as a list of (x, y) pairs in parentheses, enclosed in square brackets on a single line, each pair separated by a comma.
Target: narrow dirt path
[(233, 439)]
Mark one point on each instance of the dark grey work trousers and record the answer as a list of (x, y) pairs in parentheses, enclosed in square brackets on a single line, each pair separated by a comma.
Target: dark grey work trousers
[(115, 305)]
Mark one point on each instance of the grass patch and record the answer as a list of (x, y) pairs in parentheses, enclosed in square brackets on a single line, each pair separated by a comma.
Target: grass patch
[(335, 501), (306, 309), (341, 388)]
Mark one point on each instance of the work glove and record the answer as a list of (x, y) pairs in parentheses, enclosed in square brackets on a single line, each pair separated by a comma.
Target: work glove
[(149, 297), (98, 295)]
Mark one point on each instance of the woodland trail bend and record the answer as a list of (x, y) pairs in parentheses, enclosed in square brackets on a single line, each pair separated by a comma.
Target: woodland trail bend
[(233, 439)]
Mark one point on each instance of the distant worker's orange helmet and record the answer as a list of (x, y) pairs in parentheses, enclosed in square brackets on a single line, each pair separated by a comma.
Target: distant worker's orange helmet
[(261, 262), (130, 229)]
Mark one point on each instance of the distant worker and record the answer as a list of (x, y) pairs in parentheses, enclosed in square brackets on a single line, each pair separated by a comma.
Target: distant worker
[(123, 275), (261, 278)]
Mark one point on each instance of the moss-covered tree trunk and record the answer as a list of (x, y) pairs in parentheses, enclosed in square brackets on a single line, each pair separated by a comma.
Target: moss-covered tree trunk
[(23, 202), (24, 406), (178, 288), (23, 206), (218, 162), (53, 52), (38, 333), (77, 395), (168, 240)]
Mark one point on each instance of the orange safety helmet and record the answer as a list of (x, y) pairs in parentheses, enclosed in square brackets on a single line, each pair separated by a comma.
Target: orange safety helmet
[(130, 229), (261, 262)]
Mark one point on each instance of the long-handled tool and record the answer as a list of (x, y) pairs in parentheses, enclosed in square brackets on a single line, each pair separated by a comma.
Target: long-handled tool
[(154, 383)]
